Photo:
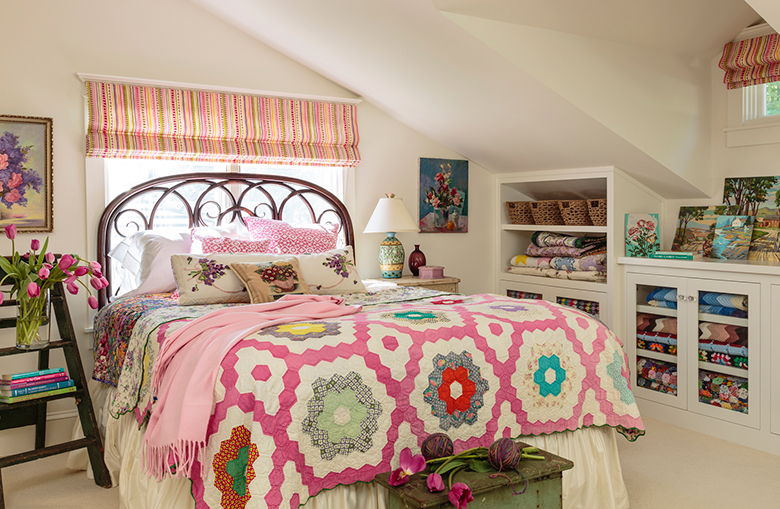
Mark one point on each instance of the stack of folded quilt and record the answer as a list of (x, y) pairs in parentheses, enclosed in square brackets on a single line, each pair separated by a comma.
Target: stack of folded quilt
[(724, 391), (563, 257), (656, 333), (719, 343), (656, 375), (715, 303)]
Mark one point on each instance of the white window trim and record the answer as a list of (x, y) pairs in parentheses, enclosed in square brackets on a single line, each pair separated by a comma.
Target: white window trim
[(746, 126)]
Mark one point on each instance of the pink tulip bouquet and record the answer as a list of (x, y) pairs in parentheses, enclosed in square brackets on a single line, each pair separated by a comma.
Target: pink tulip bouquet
[(34, 274)]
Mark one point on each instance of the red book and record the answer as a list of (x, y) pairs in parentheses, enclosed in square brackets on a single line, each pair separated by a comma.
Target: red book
[(33, 380)]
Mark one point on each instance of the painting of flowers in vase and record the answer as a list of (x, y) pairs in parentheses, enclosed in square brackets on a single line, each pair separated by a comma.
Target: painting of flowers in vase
[(443, 201), (26, 173)]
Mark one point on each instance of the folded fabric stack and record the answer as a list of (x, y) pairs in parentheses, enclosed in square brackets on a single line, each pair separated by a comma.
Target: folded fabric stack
[(716, 303), (656, 375), (724, 344), (724, 391), (656, 333), (563, 257), (586, 306)]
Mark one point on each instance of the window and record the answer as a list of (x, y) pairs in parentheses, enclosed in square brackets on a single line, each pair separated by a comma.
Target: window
[(122, 174), (761, 103)]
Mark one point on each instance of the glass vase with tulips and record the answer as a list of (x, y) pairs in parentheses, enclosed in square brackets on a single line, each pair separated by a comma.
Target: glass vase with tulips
[(34, 273)]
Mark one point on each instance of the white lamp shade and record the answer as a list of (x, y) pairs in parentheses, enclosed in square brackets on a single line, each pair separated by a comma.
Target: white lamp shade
[(390, 215)]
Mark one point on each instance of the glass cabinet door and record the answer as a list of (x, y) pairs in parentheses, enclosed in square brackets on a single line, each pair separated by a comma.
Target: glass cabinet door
[(655, 339)]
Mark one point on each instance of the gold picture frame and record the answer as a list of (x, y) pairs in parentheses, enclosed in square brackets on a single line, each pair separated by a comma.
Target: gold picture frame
[(26, 173)]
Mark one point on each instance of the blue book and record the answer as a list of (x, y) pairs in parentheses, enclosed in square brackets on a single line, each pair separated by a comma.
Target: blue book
[(29, 374), (10, 393)]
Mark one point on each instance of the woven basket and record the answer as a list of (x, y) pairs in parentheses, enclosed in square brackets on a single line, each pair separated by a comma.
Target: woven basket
[(520, 212), (597, 209), (575, 212), (546, 212)]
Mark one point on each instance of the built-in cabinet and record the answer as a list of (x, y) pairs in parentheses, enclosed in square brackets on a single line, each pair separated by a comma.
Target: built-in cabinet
[(724, 361), (623, 194)]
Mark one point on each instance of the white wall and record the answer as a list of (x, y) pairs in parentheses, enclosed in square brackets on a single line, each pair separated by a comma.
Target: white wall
[(657, 101), (174, 40)]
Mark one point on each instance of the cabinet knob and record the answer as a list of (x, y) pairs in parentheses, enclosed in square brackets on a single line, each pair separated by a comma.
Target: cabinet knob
[(691, 298), (680, 297)]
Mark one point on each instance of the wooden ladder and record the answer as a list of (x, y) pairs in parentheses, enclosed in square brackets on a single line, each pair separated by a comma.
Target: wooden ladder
[(33, 412)]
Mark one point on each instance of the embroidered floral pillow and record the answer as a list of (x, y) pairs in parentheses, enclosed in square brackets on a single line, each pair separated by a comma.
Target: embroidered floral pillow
[(332, 272), (268, 281), (208, 279), (289, 239), (228, 245)]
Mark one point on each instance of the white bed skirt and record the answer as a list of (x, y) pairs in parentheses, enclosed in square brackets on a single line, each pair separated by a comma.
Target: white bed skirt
[(595, 481)]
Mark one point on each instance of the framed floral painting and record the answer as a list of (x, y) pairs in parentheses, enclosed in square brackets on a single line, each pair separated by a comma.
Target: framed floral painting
[(443, 201), (26, 173)]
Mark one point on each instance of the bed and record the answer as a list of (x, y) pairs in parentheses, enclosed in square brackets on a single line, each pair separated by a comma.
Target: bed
[(308, 412)]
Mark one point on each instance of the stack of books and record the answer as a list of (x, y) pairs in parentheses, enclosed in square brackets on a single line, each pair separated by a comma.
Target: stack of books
[(34, 384)]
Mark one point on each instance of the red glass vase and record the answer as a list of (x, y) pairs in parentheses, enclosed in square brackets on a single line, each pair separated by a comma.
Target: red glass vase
[(416, 260)]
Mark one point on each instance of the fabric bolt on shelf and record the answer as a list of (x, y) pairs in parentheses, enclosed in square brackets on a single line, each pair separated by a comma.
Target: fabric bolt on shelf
[(721, 310), (662, 372), (725, 300), (543, 239), (657, 337), (563, 251), (723, 359), (669, 294), (652, 323), (652, 384), (589, 262), (585, 275), (723, 332), (724, 391), (586, 306), (666, 304), (542, 262), (656, 347), (715, 346)]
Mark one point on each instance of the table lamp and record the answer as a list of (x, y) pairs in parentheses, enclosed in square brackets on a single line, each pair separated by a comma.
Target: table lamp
[(390, 216)]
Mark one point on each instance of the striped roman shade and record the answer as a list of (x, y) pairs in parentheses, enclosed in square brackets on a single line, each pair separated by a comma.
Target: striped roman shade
[(752, 61), (131, 121)]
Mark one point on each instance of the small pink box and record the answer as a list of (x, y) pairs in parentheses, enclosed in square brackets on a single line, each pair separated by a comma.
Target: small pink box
[(431, 272)]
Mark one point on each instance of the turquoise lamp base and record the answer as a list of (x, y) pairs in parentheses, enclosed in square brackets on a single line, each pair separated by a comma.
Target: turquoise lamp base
[(391, 257)]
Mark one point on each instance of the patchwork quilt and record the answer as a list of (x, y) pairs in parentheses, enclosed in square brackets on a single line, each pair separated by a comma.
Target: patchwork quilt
[(304, 407)]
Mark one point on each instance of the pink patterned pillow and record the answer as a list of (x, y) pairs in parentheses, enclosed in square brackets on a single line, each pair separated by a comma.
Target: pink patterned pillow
[(289, 239), (228, 245)]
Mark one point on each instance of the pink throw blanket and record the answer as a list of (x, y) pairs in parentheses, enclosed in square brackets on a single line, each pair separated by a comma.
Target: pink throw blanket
[(186, 369)]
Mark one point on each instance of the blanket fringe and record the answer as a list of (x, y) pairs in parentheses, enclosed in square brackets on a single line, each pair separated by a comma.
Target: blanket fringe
[(174, 460)]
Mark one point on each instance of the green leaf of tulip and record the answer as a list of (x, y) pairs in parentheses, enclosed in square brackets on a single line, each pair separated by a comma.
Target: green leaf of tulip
[(452, 464), (481, 466)]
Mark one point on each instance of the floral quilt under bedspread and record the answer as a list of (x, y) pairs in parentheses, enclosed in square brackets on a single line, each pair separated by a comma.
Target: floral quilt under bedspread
[(307, 406)]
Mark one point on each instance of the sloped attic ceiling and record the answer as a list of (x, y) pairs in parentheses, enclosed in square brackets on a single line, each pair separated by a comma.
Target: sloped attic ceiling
[(441, 75)]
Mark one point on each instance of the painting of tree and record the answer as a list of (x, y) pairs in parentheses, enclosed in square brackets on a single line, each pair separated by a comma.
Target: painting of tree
[(759, 198)]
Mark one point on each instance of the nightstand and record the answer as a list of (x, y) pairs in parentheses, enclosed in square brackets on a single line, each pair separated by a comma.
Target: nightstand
[(443, 284)]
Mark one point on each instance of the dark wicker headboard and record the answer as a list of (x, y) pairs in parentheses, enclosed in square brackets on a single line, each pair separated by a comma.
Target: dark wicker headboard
[(213, 199)]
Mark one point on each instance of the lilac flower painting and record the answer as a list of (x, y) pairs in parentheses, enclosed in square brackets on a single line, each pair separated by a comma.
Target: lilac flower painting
[(26, 173)]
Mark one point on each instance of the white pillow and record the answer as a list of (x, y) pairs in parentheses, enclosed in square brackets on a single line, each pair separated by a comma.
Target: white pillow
[(332, 272), (145, 256), (230, 231)]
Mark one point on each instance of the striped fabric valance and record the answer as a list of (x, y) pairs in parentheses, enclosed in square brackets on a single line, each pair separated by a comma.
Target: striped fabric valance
[(131, 121), (752, 61)]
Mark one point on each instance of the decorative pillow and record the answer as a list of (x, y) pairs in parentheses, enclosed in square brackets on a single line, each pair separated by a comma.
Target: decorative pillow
[(208, 279), (268, 281), (290, 239), (230, 231), (332, 272), (145, 257), (228, 245)]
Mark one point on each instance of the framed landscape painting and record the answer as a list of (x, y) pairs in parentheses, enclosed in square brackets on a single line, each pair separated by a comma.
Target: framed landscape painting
[(758, 197), (26, 173), (443, 200)]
